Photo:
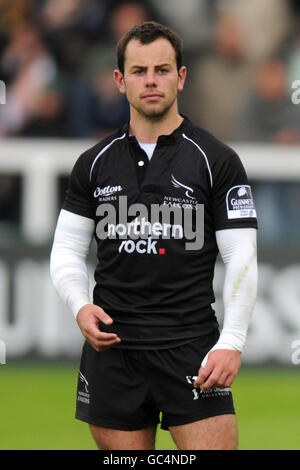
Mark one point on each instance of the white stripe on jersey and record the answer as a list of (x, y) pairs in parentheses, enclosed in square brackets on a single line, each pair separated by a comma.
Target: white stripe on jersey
[(103, 150), (204, 155)]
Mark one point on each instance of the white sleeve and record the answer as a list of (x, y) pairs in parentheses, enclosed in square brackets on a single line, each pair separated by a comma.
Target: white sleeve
[(238, 251), (68, 269)]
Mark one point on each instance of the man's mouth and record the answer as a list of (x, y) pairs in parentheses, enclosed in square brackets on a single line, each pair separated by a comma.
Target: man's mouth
[(152, 96)]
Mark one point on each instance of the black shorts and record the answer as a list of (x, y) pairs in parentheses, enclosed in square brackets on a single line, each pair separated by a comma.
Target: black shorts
[(127, 389)]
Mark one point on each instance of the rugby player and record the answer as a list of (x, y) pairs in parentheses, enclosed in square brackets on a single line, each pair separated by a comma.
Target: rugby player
[(153, 345)]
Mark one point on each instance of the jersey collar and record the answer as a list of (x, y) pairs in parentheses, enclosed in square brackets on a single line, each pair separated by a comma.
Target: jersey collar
[(165, 139)]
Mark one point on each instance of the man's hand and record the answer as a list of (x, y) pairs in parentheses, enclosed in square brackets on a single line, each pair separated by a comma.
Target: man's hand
[(88, 319), (220, 370)]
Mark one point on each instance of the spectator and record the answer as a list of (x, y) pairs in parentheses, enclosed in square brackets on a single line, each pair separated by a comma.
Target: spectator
[(70, 28), (32, 68), (50, 118), (193, 19), (124, 14), (13, 13), (96, 106), (221, 79), (269, 114), (265, 25), (224, 42)]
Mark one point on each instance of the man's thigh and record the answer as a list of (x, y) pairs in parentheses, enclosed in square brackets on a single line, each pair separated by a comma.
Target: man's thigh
[(115, 439), (215, 433)]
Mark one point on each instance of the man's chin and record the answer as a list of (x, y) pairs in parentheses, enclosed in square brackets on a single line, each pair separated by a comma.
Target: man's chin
[(154, 114)]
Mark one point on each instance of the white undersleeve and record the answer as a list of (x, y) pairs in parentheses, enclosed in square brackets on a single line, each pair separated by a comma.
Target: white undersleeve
[(68, 267), (238, 251)]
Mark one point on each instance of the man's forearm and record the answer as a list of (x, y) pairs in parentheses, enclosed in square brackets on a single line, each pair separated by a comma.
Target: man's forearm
[(238, 251), (68, 267)]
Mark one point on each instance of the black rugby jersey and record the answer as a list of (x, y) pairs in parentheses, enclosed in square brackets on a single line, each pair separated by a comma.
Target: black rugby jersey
[(158, 292)]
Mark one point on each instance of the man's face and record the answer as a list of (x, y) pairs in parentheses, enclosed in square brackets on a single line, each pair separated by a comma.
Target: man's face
[(151, 80)]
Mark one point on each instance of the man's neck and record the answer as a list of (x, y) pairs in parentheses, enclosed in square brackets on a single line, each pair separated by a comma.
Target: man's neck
[(148, 130)]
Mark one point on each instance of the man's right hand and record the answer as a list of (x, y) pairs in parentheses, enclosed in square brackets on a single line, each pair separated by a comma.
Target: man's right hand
[(88, 319)]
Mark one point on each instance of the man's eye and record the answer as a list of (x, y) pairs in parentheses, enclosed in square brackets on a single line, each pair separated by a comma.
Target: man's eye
[(163, 70), (138, 72)]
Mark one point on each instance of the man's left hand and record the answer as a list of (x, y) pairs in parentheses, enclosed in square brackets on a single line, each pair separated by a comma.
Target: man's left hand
[(220, 370)]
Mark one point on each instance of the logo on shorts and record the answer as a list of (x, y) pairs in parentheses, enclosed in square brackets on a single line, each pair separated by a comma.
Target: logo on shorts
[(84, 397), (209, 393), (239, 202)]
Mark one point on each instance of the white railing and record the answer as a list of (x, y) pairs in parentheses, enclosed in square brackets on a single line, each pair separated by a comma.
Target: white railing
[(41, 161)]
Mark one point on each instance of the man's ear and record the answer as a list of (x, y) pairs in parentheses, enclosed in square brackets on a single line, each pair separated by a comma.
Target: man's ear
[(182, 77), (119, 79)]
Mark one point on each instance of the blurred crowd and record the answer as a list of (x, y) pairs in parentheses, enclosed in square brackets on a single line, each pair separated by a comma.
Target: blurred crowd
[(57, 58)]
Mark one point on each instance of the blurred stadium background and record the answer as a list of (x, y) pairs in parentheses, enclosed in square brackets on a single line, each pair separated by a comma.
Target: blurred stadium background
[(56, 99)]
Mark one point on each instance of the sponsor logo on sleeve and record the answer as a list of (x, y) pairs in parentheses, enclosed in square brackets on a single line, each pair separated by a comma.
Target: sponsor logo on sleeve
[(239, 202)]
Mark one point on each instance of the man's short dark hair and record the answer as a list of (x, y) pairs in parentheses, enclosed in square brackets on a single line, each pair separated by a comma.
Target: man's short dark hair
[(146, 33)]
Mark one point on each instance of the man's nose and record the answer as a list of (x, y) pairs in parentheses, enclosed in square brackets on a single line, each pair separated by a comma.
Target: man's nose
[(150, 78)]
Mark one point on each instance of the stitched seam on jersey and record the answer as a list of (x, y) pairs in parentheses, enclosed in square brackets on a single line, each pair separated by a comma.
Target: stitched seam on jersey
[(204, 155), (102, 151)]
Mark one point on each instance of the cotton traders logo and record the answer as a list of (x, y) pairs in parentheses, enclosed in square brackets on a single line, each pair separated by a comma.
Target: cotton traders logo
[(239, 202), (177, 184), (107, 191)]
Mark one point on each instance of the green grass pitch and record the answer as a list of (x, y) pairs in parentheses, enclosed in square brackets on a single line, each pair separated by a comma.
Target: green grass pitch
[(37, 405)]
